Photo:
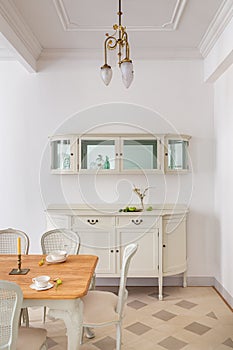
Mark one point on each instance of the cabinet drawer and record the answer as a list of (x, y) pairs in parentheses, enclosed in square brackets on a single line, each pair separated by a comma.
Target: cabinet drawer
[(93, 221), (137, 221)]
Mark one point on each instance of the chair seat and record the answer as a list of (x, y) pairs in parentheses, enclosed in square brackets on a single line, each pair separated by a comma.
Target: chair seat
[(30, 338), (94, 313)]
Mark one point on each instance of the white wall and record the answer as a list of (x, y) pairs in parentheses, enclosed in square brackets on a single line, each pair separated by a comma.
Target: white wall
[(223, 179), (168, 95)]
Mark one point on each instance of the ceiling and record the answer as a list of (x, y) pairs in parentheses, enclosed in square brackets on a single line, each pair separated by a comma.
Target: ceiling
[(33, 29)]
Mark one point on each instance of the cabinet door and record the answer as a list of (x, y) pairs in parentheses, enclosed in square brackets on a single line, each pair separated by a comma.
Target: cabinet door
[(99, 154), (176, 154), (140, 154), (101, 243), (145, 262), (174, 245), (63, 154)]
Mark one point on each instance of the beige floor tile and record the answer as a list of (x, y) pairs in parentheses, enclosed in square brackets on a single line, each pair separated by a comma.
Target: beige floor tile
[(207, 301)]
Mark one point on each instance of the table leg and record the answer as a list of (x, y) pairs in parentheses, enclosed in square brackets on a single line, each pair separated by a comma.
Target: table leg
[(73, 321)]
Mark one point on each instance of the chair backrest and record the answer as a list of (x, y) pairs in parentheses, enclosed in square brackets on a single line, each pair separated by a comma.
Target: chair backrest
[(8, 241), (60, 239), (11, 298), (129, 251)]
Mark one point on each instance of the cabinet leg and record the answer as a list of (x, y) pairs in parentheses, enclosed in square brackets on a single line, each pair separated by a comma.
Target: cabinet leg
[(160, 288), (185, 279)]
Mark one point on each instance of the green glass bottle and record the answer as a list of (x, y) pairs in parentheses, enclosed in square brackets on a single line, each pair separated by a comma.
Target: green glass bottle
[(107, 163)]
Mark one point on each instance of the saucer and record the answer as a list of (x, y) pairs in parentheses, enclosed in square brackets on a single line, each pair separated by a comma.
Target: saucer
[(52, 261), (33, 286)]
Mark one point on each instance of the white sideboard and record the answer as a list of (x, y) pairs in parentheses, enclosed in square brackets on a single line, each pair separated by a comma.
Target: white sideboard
[(160, 233)]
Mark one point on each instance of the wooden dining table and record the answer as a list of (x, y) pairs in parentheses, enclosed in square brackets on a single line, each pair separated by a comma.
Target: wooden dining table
[(64, 302)]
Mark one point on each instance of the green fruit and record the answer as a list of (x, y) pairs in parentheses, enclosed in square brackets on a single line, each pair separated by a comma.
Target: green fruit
[(132, 208), (149, 208)]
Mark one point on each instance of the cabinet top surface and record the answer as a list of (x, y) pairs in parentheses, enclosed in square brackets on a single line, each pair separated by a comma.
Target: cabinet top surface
[(113, 210)]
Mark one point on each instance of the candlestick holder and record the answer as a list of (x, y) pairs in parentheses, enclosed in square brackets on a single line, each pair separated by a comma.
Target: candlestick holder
[(19, 271)]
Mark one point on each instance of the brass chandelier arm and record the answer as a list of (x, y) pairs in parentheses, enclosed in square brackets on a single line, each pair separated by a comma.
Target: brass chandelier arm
[(109, 43)]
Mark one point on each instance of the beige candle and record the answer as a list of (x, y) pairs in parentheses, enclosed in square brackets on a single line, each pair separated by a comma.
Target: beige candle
[(19, 246)]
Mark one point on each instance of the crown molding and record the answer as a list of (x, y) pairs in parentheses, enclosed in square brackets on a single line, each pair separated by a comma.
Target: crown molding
[(19, 36), (216, 27), (68, 26), (139, 54)]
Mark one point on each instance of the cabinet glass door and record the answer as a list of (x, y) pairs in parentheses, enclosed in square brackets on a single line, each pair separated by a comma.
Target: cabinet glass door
[(98, 154), (62, 154), (140, 154), (177, 155)]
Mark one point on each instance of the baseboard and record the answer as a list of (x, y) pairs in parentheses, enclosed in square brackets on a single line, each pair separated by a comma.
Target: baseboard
[(224, 293), (167, 281), (193, 281)]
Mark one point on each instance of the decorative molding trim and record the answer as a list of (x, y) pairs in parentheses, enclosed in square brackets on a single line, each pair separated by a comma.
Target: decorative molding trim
[(145, 54), (171, 25), (216, 27), (18, 34)]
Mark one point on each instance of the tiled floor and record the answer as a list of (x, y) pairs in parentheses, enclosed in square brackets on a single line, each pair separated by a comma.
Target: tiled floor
[(192, 318)]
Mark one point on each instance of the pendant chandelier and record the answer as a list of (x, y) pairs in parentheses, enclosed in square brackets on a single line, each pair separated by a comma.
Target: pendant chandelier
[(118, 40)]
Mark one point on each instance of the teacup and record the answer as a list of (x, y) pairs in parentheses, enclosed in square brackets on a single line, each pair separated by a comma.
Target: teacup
[(58, 254), (41, 281)]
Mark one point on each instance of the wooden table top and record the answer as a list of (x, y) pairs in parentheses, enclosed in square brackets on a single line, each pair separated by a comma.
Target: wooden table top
[(76, 273)]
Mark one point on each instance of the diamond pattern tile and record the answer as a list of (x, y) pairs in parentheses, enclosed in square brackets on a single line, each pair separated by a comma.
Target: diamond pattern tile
[(164, 315), (197, 328), (136, 304), (106, 343), (186, 304), (171, 343), (138, 328), (229, 342), (51, 343), (212, 315)]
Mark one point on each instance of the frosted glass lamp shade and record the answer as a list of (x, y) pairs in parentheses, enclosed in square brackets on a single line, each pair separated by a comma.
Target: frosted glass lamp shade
[(106, 73), (127, 73)]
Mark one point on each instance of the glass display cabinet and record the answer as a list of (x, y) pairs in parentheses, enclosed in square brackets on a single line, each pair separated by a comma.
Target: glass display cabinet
[(116, 154), (63, 154), (176, 154)]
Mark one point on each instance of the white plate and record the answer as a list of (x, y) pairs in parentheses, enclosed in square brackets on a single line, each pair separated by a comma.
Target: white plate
[(51, 261), (33, 286)]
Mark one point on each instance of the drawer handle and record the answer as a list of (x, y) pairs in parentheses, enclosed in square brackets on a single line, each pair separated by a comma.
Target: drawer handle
[(137, 222), (92, 221)]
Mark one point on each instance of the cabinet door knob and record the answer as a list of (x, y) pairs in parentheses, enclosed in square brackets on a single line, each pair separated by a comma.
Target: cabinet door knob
[(117, 250), (137, 222), (111, 250), (164, 245), (92, 221), (71, 154)]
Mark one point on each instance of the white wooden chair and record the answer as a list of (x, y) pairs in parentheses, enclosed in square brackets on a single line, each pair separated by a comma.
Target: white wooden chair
[(59, 239), (13, 337), (8, 245), (103, 308)]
